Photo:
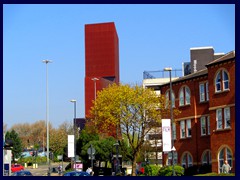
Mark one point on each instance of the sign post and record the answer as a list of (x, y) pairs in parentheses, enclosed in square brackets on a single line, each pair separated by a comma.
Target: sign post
[(91, 152)]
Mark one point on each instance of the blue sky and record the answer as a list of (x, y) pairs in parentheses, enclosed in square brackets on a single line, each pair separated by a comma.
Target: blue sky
[(151, 37)]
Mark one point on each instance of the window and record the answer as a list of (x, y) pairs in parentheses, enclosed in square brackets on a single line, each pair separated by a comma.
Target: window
[(168, 100), (205, 125), (227, 117), (187, 160), (182, 130), (219, 118), (174, 131), (203, 92), (224, 155), (206, 158), (184, 96), (208, 125), (221, 81), (185, 128), (207, 92), (189, 132)]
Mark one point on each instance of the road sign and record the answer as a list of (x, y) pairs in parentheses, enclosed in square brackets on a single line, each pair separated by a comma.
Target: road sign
[(91, 151)]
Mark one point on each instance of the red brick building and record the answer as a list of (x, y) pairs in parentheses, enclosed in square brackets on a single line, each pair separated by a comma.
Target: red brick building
[(101, 59), (204, 131)]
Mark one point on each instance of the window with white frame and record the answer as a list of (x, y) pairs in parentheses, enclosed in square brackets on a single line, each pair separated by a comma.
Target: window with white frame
[(182, 129), (223, 118), (225, 154), (168, 100), (203, 92), (206, 158), (186, 160), (185, 128), (174, 131), (227, 117), (219, 118), (207, 92), (184, 96), (208, 125), (221, 81), (189, 129), (205, 125)]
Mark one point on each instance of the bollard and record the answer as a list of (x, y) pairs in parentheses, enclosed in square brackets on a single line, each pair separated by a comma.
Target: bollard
[(25, 165), (34, 166)]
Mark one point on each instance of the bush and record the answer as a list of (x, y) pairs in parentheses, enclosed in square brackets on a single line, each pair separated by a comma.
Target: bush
[(167, 171), (151, 170)]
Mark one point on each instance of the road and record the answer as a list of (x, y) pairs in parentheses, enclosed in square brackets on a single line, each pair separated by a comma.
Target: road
[(42, 170)]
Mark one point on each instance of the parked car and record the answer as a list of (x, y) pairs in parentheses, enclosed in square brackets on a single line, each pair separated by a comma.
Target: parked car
[(76, 173), (22, 173), (16, 167)]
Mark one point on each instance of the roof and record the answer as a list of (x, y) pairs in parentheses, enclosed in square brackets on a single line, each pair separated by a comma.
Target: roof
[(202, 72), (190, 76), (226, 57)]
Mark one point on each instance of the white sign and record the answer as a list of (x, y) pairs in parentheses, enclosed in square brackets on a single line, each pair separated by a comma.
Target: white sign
[(166, 134), (70, 145)]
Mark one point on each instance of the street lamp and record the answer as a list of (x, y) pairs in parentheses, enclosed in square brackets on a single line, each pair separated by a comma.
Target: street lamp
[(95, 79), (117, 160), (47, 121), (169, 69), (74, 122)]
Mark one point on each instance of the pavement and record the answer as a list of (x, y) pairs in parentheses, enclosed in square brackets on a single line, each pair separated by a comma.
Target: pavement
[(41, 170)]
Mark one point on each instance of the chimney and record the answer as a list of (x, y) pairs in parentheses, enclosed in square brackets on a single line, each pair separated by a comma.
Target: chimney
[(200, 56)]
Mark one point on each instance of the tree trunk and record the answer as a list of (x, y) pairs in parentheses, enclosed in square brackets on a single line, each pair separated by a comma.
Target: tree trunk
[(134, 164)]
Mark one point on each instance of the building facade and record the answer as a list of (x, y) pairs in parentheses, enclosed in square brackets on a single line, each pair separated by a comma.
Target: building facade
[(204, 131), (101, 60)]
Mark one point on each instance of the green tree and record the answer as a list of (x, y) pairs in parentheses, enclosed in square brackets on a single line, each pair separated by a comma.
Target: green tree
[(17, 144), (127, 110)]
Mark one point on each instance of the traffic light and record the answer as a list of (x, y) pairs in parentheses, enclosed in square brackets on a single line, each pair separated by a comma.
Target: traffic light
[(8, 144)]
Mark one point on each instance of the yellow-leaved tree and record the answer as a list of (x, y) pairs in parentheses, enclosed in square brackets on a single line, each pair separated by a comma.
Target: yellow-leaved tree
[(127, 110)]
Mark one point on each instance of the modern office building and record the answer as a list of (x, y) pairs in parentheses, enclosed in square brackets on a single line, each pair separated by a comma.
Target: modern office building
[(204, 131), (101, 60)]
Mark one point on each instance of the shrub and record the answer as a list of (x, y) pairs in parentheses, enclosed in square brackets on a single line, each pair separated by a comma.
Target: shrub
[(167, 171), (151, 170)]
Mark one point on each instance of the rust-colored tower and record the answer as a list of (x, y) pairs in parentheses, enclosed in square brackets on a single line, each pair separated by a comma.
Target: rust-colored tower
[(101, 59)]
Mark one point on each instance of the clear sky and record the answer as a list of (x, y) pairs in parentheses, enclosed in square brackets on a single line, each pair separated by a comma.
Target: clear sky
[(151, 37)]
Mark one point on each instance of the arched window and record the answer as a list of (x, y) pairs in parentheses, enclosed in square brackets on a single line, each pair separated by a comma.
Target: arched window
[(167, 97), (187, 160), (206, 158), (184, 96), (221, 81), (224, 155)]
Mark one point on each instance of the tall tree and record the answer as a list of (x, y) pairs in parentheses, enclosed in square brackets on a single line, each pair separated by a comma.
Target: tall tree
[(17, 144), (129, 110)]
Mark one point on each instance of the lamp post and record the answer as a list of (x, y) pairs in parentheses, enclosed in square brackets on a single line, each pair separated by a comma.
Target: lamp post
[(169, 69), (74, 122), (117, 160), (95, 89), (47, 121)]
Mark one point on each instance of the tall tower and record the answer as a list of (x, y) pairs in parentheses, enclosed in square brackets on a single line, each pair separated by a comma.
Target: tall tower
[(101, 59)]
